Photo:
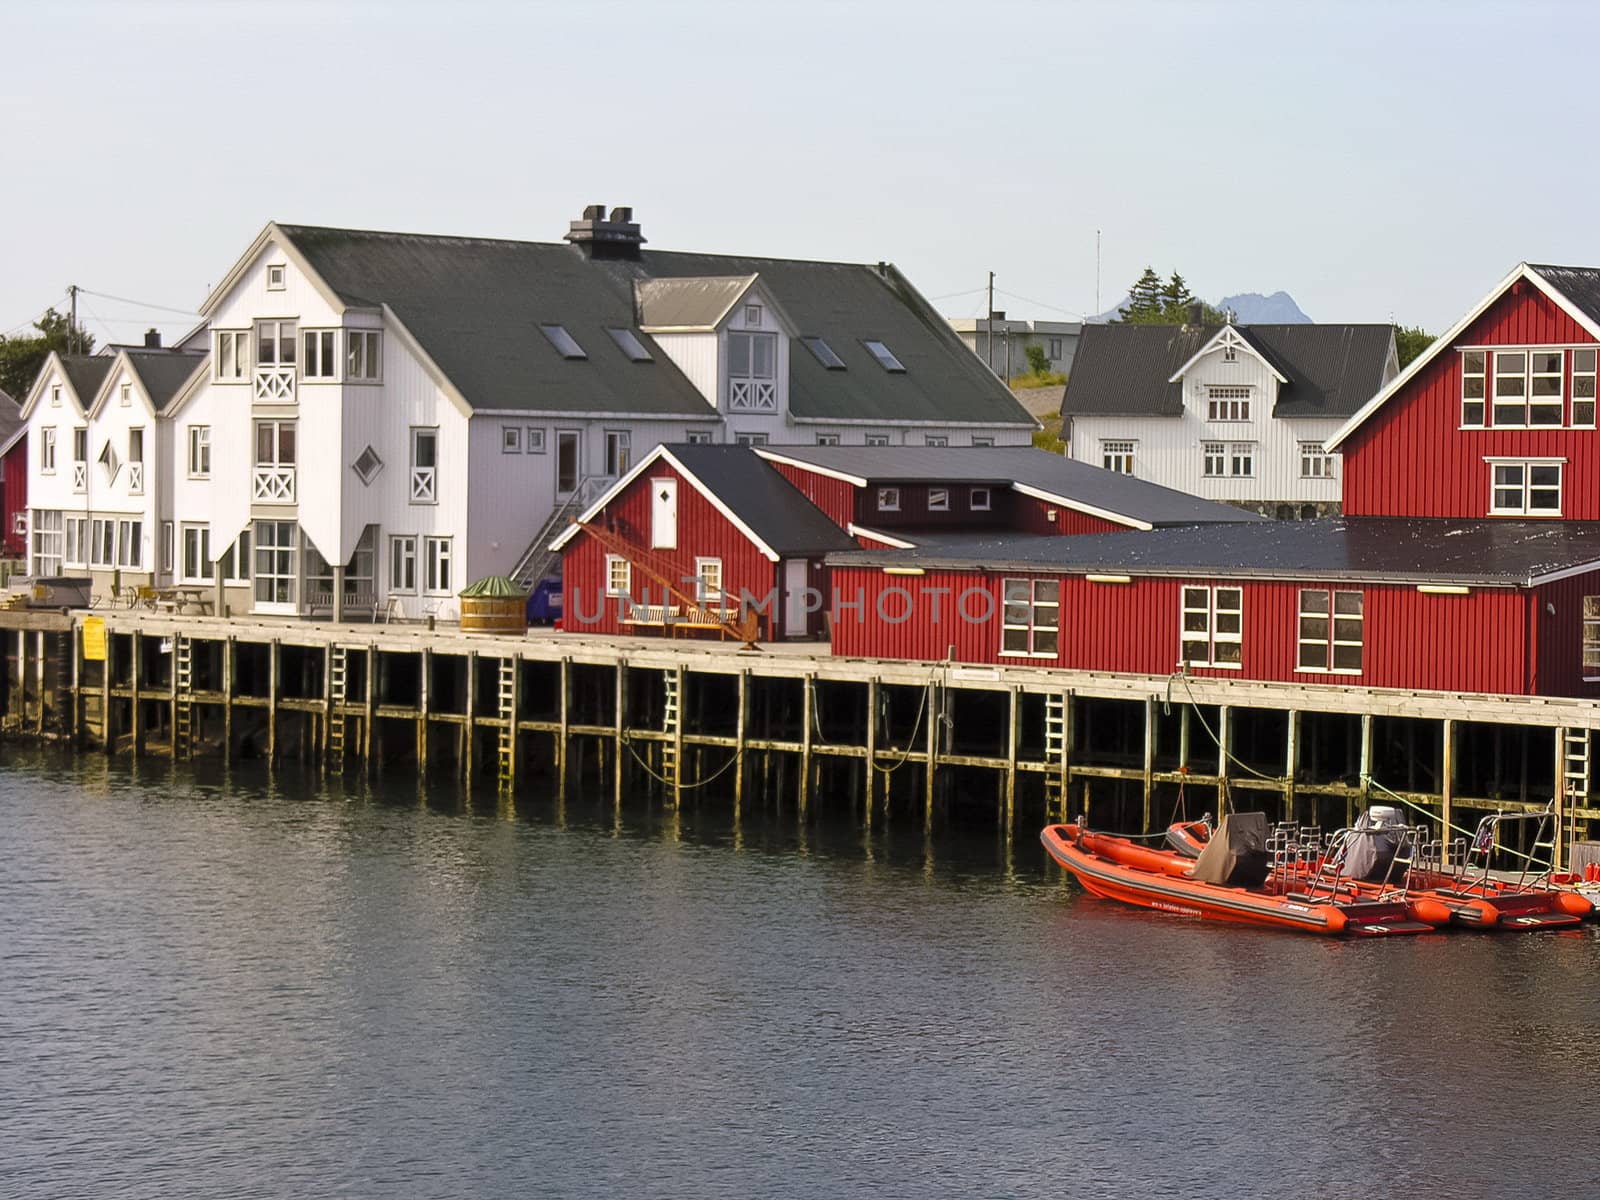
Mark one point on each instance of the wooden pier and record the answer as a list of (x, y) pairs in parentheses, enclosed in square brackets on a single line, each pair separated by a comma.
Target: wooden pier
[(1015, 745)]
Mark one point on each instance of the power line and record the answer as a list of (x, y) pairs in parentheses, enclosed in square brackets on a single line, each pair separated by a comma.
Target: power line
[(30, 322), (953, 295), (182, 312), (1052, 307)]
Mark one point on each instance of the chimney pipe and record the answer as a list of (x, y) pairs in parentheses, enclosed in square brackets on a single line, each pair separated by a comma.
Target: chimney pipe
[(152, 339), (601, 237)]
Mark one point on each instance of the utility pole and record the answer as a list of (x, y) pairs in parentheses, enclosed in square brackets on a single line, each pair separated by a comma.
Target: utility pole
[(988, 325), (1097, 272), (72, 328)]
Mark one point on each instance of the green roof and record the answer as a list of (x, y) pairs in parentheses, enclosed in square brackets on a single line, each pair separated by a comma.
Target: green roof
[(496, 587)]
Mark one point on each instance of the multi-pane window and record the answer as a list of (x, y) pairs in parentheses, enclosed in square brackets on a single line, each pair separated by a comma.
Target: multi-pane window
[(436, 557), (236, 560), (1117, 456), (827, 439), (199, 451), (1227, 403), (931, 440), (749, 439), (708, 580), (232, 361), (1242, 459), (46, 543), (76, 553), (619, 452), (619, 575), (425, 466), (275, 566), (1216, 459), (1474, 376), (702, 437), (130, 543), (102, 542), (1511, 387), (1331, 631), (1315, 462), (196, 552), (752, 371), (1213, 626), (1591, 638), (1031, 617), (882, 439), (47, 450), (1525, 488), (275, 343), (1544, 387), (938, 499), (319, 357), (1583, 389), (889, 499), (1054, 351), (403, 563), (510, 439), (534, 441), (363, 361)]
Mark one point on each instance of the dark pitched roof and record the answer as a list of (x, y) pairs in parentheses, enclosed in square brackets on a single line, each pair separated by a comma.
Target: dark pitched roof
[(10, 418), (774, 509), (1581, 285), (163, 372), (1002, 466), (1388, 549), (1122, 370), (86, 372), (475, 305)]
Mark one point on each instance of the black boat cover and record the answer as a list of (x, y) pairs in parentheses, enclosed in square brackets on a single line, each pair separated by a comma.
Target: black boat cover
[(1236, 855)]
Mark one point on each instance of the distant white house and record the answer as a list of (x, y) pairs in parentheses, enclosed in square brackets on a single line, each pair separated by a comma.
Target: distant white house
[(1002, 343), (373, 420), (1230, 413)]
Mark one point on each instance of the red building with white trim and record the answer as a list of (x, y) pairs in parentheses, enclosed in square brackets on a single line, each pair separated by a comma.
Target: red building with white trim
[(13, 480)]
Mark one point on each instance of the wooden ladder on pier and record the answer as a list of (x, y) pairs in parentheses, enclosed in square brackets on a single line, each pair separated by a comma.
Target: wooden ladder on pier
[(1575, 766), (671, 720), (183, 709), (507, 755), (338, 692), (1055, 755)]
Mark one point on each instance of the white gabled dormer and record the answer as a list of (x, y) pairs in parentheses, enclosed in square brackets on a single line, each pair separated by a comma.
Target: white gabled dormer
[(729, 336), (1229, 383)]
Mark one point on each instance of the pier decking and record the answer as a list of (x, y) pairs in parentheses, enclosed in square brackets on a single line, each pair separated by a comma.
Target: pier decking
[(1026, 744)]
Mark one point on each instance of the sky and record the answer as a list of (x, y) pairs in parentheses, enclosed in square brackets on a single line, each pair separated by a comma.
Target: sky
[(1379, 161)]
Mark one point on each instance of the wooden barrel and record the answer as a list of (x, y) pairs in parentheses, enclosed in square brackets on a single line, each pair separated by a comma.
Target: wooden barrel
[(494, 614)]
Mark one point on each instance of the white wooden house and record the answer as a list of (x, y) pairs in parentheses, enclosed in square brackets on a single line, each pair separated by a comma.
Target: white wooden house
[(1231, 413), (382, 418)]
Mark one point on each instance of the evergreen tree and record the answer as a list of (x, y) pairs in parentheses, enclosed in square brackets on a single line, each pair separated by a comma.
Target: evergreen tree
[(1410, 341), (1175, 296), (22, 357), (1146, 300)]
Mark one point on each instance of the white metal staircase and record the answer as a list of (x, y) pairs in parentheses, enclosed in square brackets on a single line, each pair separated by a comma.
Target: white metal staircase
[(538, 558), (1055, 754), (338, 691), (183, 710)]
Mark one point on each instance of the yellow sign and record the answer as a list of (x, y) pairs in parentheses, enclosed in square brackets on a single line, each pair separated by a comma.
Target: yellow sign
[(94, 639)]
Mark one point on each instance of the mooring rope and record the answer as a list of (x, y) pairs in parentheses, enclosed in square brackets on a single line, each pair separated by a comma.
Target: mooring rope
[(922, 707), (685, 787), (1451, 826), (1226, 753)]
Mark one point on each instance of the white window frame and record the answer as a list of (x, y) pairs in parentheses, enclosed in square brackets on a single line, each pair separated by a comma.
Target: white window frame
[(698, 437), (236, 560), (983, 441), (125, 395), (366, 364), (1547, 409), (619, 576), (75, 543), (130, 543), (319, 355), (533, 440), (752, 386), (1524, 486), (708, 580), (1241, 453), (1330, 642), (47, 450), (1474, 388), (1584, 363), (1227, 402), (510, 439), (231, 350), (1591, 639), (979, 499), (938, 499), (424, 481), (1315, 462), (888, 499), (937, 440), (102, 542), (285, 332), (1517, 400), (438, 566), (750, 439), (403, 564), (199, 452), (1035, 596), (827, 439), (282, 558), (196, 549), (882, 439), (277, 277), (1212, 619), (46, 546), (1116, 454), (618, 452), (1215, 456)]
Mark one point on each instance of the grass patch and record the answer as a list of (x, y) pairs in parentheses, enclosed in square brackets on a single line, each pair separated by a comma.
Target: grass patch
[(1038, 379)]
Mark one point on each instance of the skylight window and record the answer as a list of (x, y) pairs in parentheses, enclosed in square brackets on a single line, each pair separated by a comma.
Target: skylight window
[(630, 345), (885, 357), (824, 353), (563, 341)]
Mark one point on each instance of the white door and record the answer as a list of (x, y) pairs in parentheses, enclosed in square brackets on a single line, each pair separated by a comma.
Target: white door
[(795, 578), (663, 514)]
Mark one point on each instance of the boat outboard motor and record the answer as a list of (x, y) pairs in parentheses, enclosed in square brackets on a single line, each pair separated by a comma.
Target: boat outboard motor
[(1236, 855), (1373, 842)]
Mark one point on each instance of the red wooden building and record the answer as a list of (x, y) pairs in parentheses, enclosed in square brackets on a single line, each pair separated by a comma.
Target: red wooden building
[(1472, 606), (13, 480), (1496, 418)]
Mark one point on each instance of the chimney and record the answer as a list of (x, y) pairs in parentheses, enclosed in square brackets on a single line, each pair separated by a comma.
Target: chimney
[(1197, 314), (152, 339), (599, 236)]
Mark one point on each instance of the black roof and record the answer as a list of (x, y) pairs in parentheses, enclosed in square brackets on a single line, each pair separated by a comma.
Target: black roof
[(475, 305), (10, 417), (1581, 285), (86, 372), (1374, 549), (1074, 482), (1123, 370), (163, 372), (776, 511)]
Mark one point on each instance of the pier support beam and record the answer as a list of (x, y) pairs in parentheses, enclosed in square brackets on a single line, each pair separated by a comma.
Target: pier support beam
[(1013, 734), (274, 673), (1148, 781), (739, 734), (1291, 764), (932, 754), (808, 699), (424, 681), (874, 699), (1447, 787), (136, 725)]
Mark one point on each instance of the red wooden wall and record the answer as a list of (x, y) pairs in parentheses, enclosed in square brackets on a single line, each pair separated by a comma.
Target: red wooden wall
[(1481, 642), (834, 497), (14, 499), (1028, 515), (1411, 458), (703, 532)]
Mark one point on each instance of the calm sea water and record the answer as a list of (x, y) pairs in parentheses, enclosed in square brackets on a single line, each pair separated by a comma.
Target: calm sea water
[(238, 986)]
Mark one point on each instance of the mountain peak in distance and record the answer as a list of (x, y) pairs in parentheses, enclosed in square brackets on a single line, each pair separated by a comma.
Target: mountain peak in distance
[(1252, 308)]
